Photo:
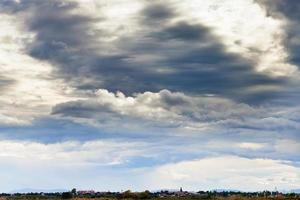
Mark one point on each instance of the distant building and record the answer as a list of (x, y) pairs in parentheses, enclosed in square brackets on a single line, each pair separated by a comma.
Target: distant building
[(181, 193), (81, 192)]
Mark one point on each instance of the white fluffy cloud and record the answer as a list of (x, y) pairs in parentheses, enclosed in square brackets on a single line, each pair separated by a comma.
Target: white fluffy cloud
[(63, 162), (251, 145), (98, 152), (227, 172), (173, 110), (64, 165), (164, 108)]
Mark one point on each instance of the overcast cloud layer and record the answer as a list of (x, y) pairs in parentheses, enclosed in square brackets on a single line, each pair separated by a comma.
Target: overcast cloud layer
[(119, 94)]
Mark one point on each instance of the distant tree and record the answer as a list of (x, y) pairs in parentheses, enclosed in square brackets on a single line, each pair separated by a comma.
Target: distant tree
[(129, 195), (66, 195), (144, 195), (73, 191)]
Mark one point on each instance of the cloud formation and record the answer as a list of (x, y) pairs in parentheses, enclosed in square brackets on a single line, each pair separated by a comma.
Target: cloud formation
[(227, 172), (102, 158), (27, 89), (172, 110), (149, 89), (286, 11), (148, 58)]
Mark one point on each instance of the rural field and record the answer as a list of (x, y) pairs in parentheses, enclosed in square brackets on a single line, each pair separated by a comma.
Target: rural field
[(163, 195), (137, 99), (167, 198)]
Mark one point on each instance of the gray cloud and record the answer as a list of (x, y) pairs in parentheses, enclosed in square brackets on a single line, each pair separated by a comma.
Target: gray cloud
[(182, 57), (154, 12), (174, 110), (184, 31), (198, 126), (5, 83)]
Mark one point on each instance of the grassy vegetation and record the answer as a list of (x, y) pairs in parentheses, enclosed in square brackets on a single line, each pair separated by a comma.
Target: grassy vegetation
[(128, 195), (158, 198)]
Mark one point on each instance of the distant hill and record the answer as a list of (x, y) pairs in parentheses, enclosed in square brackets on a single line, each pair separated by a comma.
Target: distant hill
[(217, 190), (34, 190), (225, 190), (296, 191), (165, 189)]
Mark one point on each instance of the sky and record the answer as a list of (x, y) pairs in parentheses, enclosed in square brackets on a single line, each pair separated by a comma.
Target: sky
[(135, 94)]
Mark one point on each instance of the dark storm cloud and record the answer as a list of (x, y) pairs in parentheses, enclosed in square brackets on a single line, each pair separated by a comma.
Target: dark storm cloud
[(183, 31), (187, 56), (289, 10), (62, 38), (154, 12), (82, 109)]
